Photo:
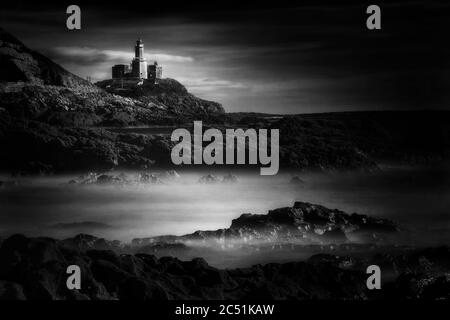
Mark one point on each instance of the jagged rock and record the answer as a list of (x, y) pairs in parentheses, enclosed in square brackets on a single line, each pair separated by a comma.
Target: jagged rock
[(31, 268)]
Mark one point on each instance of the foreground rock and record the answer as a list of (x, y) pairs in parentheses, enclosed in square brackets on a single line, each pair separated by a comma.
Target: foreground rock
[(35, 268)]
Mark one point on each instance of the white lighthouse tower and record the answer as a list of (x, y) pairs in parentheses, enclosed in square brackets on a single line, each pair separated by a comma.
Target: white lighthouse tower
[(139, 64)]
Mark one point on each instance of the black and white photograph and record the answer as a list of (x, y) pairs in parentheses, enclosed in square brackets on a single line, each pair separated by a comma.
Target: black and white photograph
[(230, 155)]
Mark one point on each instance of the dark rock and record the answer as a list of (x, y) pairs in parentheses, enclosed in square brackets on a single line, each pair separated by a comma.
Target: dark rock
[(110, 275), (31, 268), (136, 289)]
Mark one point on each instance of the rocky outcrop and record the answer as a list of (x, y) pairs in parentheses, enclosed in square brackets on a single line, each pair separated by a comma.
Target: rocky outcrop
[(307, 222), (303, 223), (169, 95), (35, 269)]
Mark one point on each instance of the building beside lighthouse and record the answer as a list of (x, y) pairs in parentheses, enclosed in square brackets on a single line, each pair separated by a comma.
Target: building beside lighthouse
[(138, 70)]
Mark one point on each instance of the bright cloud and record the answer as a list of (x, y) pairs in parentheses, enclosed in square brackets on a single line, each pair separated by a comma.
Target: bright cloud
[(92, 54)]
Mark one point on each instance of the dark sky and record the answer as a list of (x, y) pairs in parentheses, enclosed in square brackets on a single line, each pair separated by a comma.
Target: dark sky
[(285, 57)]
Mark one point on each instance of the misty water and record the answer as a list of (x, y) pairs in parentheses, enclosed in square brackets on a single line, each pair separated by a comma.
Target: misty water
[(47, 206)]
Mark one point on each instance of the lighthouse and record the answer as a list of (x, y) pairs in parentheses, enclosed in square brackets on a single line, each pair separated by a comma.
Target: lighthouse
[(139, 72), (139, 63)]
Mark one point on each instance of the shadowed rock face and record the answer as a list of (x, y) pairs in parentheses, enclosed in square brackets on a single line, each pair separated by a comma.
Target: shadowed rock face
[(35, 268)]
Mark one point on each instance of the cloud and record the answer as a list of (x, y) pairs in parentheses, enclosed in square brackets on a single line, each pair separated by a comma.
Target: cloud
[(208, 84), (81, 225), (88, 55)]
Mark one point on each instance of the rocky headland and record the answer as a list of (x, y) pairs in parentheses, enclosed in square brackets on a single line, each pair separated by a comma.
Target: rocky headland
[(45, 107)]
